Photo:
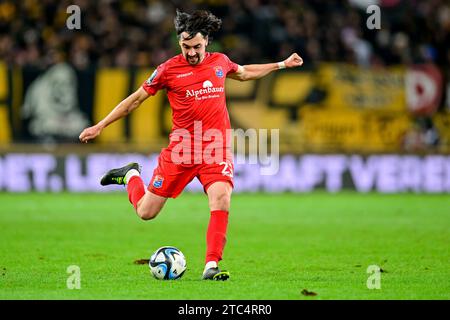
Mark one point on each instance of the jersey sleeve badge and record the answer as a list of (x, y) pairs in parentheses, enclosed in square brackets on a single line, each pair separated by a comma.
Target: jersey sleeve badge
[(153, 76)]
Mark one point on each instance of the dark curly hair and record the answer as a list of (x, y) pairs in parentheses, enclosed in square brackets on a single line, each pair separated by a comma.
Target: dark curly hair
[(200, 21)]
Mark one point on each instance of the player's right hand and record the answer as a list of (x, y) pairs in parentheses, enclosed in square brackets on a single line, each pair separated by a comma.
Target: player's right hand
[(90, 133)]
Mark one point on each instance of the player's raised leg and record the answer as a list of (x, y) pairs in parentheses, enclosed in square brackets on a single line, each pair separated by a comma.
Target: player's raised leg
[(219, 195), (147, 204), (150, 205)]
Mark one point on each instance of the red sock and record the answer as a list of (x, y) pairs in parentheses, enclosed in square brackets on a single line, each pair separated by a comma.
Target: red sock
[(216, 235), (136, 190)]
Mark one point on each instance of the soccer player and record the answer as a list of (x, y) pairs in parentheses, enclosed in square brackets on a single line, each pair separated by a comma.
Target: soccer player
[(194, 81)]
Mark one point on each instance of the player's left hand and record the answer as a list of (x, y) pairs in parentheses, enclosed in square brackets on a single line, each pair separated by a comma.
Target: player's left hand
[(293, 61)]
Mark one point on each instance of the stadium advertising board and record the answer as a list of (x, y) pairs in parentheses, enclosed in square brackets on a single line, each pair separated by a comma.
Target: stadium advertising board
[(390, 173)]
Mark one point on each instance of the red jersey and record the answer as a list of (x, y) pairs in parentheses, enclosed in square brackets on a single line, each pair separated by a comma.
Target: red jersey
[(196, 93)]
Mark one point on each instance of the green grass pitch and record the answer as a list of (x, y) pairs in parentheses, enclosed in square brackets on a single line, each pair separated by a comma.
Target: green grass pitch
[(278, 245)]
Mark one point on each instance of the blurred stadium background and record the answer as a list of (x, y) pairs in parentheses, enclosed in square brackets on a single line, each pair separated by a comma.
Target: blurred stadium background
[(371, 103), (368, 112)]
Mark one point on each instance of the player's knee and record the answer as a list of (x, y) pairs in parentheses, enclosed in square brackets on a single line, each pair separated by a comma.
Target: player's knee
[(148, 213), (220, 202)]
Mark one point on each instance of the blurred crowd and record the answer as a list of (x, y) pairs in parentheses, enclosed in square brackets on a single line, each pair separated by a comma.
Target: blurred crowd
[(140, 32)]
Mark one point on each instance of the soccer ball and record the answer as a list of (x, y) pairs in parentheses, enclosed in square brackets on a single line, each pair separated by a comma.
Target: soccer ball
[(167, 263)]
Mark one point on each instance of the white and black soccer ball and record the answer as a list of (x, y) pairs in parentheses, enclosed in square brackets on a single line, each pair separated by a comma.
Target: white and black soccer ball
[(167, 263)]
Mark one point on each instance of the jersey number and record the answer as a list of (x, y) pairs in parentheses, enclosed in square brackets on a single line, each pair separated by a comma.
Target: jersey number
[(227, 169)]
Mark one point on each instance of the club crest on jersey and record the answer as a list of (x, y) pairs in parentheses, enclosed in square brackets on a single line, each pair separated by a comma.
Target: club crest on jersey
[(149, 80), (158, 181), (219, 72)]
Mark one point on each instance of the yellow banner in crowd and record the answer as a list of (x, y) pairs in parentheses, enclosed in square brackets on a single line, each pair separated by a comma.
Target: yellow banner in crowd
[(5, 131), (335, 107), (353, 88), (365, 131)]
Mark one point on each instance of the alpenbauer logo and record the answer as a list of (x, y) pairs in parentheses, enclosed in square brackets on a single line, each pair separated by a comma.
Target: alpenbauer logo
[(205, 93)]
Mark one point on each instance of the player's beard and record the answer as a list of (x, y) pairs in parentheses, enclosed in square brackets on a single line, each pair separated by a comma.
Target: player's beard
[(193, 60)]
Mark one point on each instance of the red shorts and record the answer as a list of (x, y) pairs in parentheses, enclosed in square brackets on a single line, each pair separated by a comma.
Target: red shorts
[(170, 179)]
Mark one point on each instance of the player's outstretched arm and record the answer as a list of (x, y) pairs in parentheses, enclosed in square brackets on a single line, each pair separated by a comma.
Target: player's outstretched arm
[(257, 71), (130, 103)]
